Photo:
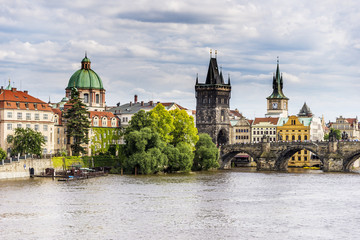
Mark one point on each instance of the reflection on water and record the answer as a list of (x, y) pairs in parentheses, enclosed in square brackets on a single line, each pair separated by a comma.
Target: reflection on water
[(236, 204)]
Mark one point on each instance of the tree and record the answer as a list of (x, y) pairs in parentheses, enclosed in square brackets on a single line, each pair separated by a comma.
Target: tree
[(184, 128), (77, 123), (2, 154), (26, 140), (337, 134), (162, 122), (206, 153)]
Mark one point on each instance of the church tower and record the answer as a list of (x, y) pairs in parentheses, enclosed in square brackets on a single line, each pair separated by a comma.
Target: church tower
[(277, 102), (212, 104)]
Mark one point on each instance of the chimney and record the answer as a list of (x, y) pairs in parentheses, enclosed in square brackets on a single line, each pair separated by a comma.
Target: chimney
[(26, 91), (13, 89), (142, 103), (150, 103), (135, 98), (130, 104)]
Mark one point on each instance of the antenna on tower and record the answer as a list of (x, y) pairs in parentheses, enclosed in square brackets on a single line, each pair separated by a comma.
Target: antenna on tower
[(210, 53)]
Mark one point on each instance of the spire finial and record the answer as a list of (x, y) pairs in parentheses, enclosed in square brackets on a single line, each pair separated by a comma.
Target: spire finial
[(210, 53), (277, 59), (86, 54)]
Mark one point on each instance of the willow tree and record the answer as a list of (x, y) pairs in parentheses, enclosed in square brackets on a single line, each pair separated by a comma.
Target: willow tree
[(77, 123)]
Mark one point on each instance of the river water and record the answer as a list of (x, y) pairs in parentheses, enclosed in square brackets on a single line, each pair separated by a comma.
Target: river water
[(236, 204)]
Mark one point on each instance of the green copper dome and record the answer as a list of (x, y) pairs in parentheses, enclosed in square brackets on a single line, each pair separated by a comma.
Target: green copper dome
[(85, 78)]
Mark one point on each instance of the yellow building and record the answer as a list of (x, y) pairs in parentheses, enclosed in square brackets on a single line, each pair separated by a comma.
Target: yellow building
[(292, 129)]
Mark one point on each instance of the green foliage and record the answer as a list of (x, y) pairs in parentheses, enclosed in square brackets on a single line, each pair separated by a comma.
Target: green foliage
[(77, 123), (68, 160), (26, 140), (104, 139), (159, 140), (337, 134), (2, 154), (206, 153), (184, 128), (162, 123), (102, 161), (139, 121)]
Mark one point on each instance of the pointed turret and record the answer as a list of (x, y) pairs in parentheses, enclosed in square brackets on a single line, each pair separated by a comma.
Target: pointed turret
[(197, 79), (213, 75), (229, 79), (277, 85), (305, 111), (8, 86)]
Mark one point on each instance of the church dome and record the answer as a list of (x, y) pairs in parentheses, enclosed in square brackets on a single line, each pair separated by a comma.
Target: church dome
[(85, 78)]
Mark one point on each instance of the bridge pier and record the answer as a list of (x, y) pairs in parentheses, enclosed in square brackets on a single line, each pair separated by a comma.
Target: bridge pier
[(333, 163)]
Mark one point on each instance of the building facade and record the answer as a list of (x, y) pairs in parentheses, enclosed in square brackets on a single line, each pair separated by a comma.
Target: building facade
[(348, 125), (18, 109), (264, 127), (212, 104)]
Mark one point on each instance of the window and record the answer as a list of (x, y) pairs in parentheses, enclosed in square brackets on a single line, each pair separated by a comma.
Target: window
[(19, 116), (305, 158), (36, 128), (305, 152), (293, 137), (299, 158), (46, 117), (37, 116), (86, 98), (28, 116), (9, 114), (28, 126), (9, 126), (58, 130), (104, 122), (299, 137), (19, 125), (46, 138), (305, 137), (58, 140), (45, 127), (292, 158), (97, 97)]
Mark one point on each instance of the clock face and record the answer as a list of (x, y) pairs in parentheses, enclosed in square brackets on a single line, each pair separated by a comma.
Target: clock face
[(275, 105)]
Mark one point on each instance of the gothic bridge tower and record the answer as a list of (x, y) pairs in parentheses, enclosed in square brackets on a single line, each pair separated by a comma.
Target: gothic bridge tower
[(277, 102), (212, 104)]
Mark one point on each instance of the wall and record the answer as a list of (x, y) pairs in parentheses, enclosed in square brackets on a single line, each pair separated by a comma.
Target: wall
[(16, 169)]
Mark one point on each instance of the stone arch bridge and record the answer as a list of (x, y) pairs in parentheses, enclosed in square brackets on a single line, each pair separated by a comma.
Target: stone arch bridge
[(334, 156)]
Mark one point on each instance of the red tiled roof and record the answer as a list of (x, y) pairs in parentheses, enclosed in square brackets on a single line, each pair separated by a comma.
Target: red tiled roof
[(101, 115), (168, 104), (271, 120), (13, 99), (351, 121)]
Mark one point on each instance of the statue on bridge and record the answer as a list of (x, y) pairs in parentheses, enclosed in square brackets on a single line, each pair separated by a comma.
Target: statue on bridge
[(279, 136), (332, 135), (344, 136)]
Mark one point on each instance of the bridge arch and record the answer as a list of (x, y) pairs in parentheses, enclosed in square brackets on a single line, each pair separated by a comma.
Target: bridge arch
[(228, 152), (282, 160), (350, 159)]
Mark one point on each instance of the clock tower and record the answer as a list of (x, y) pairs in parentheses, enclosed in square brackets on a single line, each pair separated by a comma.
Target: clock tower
[(277, 102)]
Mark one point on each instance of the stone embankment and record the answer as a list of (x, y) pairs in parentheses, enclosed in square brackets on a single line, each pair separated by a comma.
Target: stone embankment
[(20, 169)]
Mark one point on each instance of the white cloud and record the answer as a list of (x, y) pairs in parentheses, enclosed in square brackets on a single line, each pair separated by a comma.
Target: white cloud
[(159, 46)]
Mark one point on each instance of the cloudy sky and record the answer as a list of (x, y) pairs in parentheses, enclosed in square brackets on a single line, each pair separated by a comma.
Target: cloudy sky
[(155, 49)]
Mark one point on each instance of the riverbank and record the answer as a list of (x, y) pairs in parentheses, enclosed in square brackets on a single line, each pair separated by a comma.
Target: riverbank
[(20, 169)]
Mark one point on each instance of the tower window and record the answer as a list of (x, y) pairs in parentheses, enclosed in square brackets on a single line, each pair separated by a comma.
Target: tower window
[(97, 98), (86, 98)]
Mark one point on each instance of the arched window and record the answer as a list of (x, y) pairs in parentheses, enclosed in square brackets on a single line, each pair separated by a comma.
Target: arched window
[(305, 137), (293, 137), (97, 98), (299, 137)]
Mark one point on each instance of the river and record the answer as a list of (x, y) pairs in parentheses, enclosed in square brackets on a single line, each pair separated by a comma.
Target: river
[(235, 204)]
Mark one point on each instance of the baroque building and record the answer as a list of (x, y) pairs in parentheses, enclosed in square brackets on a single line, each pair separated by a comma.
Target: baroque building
[(212, 104), (104, 126), (277, 102), (89, 85), (18, 109), (264, 127), (348, 125)]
